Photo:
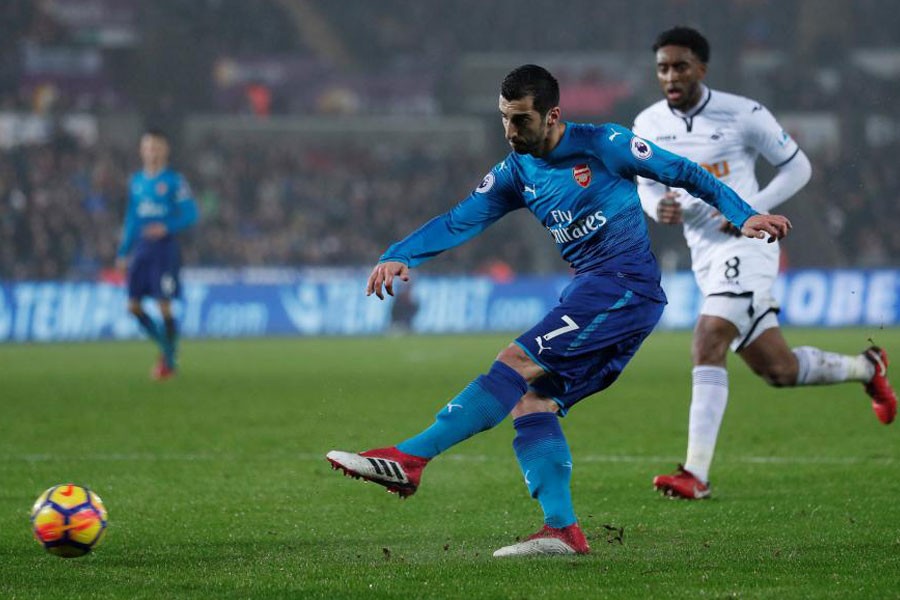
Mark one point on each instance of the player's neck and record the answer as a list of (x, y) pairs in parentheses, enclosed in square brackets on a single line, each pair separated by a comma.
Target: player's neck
[(694, 102), (151, 172), (553, 137)]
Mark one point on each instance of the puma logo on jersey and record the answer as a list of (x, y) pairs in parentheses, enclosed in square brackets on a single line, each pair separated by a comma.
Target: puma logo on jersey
[(614, 134), (569, 325), (530, 190)]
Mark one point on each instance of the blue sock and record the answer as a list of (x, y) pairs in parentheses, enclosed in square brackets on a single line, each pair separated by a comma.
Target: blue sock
[(483, 404), (547, 465), (171, 341), (150, 329)]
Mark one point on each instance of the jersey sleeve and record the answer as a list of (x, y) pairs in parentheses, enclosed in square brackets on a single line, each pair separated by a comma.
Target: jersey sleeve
[(651, 192), (493, 198), (185, 211), (129, 229), (763, 133), (631, 156)]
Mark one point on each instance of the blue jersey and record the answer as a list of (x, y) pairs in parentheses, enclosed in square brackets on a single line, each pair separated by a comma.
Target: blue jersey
[(584, 193), (163, 198)]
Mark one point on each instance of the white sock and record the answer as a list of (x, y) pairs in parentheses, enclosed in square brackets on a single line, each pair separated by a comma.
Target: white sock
[(708, 401), (818, 367)]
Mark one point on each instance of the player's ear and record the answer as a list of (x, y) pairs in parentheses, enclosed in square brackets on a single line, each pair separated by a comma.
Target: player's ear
[(553, 116)]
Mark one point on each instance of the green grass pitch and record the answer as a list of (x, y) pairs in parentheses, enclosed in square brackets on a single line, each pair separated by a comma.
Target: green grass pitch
[(217, 486)]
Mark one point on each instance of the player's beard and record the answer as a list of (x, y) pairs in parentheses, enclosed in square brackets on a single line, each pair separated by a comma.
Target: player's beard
[(522, 147), (530, 145)]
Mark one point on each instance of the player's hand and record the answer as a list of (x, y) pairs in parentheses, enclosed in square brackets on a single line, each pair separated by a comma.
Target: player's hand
[(668, 211), (383, 275), (759, 226), (155, 231), (121, 264), (728, 228)]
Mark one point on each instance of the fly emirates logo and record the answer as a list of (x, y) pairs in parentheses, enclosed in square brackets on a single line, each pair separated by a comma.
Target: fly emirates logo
[(566, 230)]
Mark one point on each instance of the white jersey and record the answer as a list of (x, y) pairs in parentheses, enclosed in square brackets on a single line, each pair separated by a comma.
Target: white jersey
[(724, 133)]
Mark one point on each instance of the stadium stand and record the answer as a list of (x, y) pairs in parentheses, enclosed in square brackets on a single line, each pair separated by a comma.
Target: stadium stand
[(62, 190)]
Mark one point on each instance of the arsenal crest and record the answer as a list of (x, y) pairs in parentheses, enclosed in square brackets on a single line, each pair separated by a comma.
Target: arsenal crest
[(582, 175), (161, 188)]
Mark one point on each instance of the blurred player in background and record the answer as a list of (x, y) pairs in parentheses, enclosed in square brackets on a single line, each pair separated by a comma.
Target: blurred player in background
[(725, 134), (160, 206), (578, 180)]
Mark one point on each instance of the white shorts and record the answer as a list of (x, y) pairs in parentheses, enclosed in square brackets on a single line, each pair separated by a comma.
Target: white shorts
[(752, 313)]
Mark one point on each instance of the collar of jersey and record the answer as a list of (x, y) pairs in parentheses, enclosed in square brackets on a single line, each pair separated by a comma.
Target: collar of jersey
[(157, 175), (704, 100)]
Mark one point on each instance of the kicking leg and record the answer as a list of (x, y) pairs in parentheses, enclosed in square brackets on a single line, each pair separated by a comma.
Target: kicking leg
[(483, 404)]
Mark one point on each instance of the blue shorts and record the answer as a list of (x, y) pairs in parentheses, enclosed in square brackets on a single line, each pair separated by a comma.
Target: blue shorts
[(154, 270), (588, 338)]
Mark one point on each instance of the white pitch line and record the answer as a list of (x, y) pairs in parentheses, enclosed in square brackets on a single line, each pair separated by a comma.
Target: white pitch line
[(315, 457)]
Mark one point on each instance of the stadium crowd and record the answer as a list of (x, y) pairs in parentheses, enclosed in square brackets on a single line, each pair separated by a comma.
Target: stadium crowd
[(61, 207), (61, 201)]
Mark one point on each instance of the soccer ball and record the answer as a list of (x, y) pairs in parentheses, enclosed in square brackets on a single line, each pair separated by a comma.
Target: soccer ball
[(68, 520)]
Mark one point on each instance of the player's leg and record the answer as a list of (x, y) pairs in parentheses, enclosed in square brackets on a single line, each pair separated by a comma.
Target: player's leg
[(546, 463), (170, 333), (147, 324), (165, 264), (709, 397), (709, 391), (770, 357), (481, 405), (138, 279), (544, 457), (714, 332), (583, 349)]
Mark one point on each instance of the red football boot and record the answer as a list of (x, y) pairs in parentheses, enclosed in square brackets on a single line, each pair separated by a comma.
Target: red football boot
[(884, 400), (549, 540), (399, 472), (162, 371), (682, 484)]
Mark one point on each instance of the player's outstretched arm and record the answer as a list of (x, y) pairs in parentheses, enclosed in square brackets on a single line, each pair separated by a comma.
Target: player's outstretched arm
[(383, 275), (758, 226)]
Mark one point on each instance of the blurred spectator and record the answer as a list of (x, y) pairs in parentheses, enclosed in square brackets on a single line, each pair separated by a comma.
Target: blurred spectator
[(60, 208), (61, 204)]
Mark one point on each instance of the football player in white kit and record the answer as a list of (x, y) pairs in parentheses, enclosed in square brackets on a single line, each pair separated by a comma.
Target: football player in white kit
[(725, 133)]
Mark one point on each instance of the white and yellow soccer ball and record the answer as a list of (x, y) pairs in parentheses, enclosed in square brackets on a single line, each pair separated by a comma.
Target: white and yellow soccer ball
[(68, 520)]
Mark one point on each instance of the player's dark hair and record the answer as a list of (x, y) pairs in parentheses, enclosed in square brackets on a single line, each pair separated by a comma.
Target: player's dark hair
[(156, 132), (534, 81), (686, 37)]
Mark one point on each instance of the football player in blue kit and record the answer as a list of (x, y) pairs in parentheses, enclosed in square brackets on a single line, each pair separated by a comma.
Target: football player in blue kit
[(579, 181), (160, 206)]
